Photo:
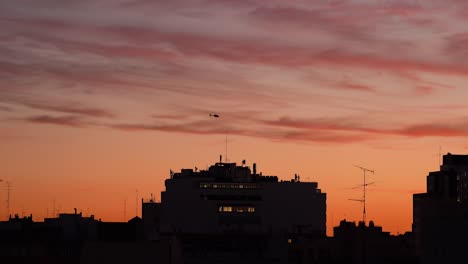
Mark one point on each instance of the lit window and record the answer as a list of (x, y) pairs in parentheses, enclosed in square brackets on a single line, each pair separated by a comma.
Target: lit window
[(229, 186), (236, 209), (225, 208), (289, 241)]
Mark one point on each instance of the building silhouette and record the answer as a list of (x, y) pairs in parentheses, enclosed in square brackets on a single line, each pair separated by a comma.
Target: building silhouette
[(440, 216), (232, 214), (227, 197), (73, 238), (361, 243), (151, 218)]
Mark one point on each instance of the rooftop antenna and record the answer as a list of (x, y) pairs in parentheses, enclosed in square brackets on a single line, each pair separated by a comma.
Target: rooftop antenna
[(226, 140), (363, 186), (8, 189), (440, 156), (136, 203)]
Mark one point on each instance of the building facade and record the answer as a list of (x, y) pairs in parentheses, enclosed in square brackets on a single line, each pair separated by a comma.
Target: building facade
[(227, 197), (232, 214), (440, 215)]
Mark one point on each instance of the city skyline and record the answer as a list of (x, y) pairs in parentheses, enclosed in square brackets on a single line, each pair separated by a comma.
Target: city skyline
[(99, 101)]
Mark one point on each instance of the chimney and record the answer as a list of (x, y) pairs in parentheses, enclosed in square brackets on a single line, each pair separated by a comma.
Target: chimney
[(220, 158), (75, 210), (255, 168)]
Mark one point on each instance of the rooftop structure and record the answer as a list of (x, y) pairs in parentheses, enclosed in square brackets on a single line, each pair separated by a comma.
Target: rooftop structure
[(231, 198)]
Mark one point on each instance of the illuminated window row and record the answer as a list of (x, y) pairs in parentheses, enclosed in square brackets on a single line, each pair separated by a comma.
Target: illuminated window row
[(236, 209), (229, 186), (227, 197)]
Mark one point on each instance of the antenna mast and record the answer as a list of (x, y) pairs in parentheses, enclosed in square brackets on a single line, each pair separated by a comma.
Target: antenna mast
[(8, 189), (363, 200), (225, 157), (136, 204), (440, 156)]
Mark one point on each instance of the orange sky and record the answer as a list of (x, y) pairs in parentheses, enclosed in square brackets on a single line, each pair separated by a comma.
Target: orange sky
[(100, 99)]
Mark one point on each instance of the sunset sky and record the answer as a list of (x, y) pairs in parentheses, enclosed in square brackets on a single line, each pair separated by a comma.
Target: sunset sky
[(99, 100)]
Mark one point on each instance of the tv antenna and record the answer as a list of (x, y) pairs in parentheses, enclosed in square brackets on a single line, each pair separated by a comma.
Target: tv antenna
[(363, 186), (440, 156), (136, 203), (8, 189)]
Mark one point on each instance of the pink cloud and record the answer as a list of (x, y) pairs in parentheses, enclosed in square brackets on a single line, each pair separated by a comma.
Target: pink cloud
[(337, 125), (70, 120), (77, 110), (5, 108), (244, 50), (424, 90), (439, 130), (174, 56), (357, 87), (457, 47)]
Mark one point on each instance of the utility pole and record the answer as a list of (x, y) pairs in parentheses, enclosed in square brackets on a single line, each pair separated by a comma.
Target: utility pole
[(364, 185)]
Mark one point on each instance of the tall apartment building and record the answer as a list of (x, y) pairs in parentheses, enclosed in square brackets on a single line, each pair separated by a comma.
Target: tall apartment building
[(231, 210), (440, 215)]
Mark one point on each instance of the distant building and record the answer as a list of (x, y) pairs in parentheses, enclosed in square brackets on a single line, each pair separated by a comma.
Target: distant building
[(121, 231), (151, 217), (138, 252), (75, 226), (353, 243), (369, 244), (253, 214), (56, 240), (440, 216), (73, 238)]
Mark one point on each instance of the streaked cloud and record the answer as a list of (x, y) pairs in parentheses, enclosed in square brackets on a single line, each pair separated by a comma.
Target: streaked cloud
[(340, 130), (76, 110), (156, 62), (69, 120)]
